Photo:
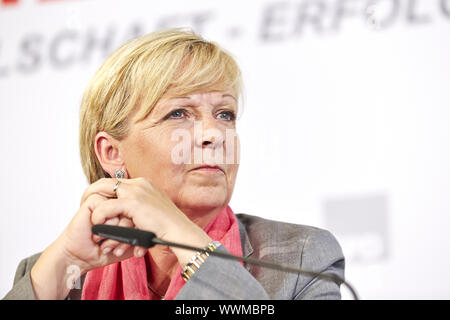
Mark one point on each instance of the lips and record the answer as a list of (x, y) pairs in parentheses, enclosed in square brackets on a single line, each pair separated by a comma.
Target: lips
[(207, 168)]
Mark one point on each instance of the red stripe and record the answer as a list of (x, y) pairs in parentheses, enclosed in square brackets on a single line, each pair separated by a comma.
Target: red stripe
[(9, 2), (51, 0)]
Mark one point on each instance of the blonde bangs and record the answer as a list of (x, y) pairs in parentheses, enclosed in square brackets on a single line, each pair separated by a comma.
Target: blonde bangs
[(196, 66)]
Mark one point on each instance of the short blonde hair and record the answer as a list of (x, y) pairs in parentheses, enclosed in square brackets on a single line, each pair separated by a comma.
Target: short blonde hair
[(134, 78)]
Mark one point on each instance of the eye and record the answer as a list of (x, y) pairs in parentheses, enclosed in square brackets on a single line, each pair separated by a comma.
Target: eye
[(176, 114), (227, 115)]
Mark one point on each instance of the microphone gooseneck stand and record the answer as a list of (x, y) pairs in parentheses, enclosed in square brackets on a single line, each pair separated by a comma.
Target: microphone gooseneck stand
[(146, 239)]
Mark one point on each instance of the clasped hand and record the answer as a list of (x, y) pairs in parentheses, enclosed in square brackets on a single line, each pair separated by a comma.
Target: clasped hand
[(136, 203)]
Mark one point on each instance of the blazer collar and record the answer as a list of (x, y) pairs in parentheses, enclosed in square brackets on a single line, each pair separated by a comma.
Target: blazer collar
[(247, 249)]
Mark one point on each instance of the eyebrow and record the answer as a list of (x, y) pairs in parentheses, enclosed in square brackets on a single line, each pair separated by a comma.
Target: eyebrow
[(228, 95), (223, 96)]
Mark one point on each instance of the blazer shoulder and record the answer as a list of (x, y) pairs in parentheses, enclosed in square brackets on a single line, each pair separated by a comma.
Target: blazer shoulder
[(259, 228), (22, 288), (317, 247), (302, 246), (25, 266)]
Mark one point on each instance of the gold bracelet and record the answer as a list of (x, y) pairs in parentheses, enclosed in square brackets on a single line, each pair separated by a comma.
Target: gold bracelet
[(197, 259)]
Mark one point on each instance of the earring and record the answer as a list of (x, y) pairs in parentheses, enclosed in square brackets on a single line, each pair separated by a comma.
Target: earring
[(119, 174)]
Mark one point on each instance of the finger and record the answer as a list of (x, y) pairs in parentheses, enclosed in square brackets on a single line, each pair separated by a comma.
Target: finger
[(93, 201), (109, 257), (89, 205), (139, 252), (109, 245), (87, 193), (111, 222), (104, 187), (123, 247), (118, 248), (110, 209)]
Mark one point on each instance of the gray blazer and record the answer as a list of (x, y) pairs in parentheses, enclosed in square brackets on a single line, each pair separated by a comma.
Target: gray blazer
[(300, 246)]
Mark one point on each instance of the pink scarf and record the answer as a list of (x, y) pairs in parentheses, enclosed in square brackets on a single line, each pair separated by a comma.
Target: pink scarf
[(127, 280)]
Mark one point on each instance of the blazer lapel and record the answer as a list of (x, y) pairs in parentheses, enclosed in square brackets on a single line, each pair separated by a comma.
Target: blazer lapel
[(247, 249)]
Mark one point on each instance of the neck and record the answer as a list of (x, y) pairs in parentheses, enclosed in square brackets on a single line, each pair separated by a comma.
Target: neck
[(202, 216)]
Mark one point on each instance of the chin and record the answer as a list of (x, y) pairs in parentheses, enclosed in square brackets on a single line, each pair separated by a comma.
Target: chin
[(205, 199)]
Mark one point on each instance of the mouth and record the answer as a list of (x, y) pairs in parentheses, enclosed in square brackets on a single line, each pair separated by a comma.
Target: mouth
[(208, 169)]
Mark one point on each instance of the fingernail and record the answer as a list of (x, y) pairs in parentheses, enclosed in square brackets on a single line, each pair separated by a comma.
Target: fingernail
[(106, 250), (118, 252)]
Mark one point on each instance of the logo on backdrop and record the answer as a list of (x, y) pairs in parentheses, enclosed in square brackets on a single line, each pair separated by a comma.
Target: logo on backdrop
[(361, 225), (78, 42)]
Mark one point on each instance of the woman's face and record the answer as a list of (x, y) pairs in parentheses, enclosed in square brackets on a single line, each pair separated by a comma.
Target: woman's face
[(179, 136)]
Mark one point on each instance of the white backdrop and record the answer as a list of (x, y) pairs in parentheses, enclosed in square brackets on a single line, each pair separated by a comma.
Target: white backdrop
[(345, 123)]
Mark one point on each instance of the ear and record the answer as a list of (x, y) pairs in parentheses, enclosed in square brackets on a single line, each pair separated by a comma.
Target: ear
[(108, 153)]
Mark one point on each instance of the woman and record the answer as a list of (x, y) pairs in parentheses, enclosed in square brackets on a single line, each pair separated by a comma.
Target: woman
[(159, 116)]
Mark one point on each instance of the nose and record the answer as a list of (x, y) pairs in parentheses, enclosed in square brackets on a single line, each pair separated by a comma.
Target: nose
[(208, 134)]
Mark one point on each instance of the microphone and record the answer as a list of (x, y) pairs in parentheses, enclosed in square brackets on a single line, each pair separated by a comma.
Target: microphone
[(147, 239)]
